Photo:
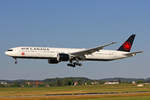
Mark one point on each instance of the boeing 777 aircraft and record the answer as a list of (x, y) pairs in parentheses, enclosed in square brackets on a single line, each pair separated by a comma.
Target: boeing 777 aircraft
[(73, 56)]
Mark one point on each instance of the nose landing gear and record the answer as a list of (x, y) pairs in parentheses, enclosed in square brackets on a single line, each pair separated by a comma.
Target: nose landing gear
[(15, 60)]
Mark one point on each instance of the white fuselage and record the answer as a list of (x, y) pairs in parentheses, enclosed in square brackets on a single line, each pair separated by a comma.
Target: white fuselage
[(48, 53)]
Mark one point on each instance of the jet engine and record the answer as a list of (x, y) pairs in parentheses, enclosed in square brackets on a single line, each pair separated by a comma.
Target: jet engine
[(63, 57)]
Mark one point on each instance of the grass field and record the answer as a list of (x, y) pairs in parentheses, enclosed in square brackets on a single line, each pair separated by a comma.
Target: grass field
[(124, 92)]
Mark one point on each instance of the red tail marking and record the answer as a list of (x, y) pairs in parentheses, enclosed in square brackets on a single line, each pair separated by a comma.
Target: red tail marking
[(127, 45)]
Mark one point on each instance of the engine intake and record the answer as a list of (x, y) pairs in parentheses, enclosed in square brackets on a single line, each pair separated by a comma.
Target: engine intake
[(63, 57)]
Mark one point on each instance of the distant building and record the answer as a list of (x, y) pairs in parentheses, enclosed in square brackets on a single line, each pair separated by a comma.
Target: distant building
[(140, 85), (3, 83), (75, 83), (94, 83), (34, 83), (112, 82), (133, 82), (28, 83), (47, 85), (85, 83)]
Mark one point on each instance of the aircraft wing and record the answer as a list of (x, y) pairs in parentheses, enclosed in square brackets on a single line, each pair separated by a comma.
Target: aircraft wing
[(133, 53), (90, 51)]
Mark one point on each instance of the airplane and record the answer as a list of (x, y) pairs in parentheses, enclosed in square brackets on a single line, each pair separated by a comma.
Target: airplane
[(74, 55)]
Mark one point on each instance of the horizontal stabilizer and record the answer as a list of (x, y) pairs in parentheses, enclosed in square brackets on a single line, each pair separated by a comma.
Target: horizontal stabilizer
[(133, 53)]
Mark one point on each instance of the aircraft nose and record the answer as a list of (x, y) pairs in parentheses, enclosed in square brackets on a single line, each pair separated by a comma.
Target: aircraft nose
[(7, 53)]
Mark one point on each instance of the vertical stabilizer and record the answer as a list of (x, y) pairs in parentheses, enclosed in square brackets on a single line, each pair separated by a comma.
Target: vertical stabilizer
[(126, 46)]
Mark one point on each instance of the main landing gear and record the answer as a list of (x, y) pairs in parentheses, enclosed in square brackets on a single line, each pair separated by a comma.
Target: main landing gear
[(74, 64)]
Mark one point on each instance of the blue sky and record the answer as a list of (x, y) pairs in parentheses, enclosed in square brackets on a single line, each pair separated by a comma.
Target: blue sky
[(76, 24)]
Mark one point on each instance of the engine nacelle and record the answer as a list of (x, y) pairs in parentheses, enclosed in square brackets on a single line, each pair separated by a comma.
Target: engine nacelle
[(63, 57), (53, 61)]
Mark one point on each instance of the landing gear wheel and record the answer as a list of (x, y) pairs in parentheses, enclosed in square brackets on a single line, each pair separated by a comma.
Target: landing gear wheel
[(74, 63), (78, 64), (71, 65), (15, 61)]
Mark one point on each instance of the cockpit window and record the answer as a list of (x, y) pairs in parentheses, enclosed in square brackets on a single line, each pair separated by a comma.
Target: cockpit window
[(10, 50)]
